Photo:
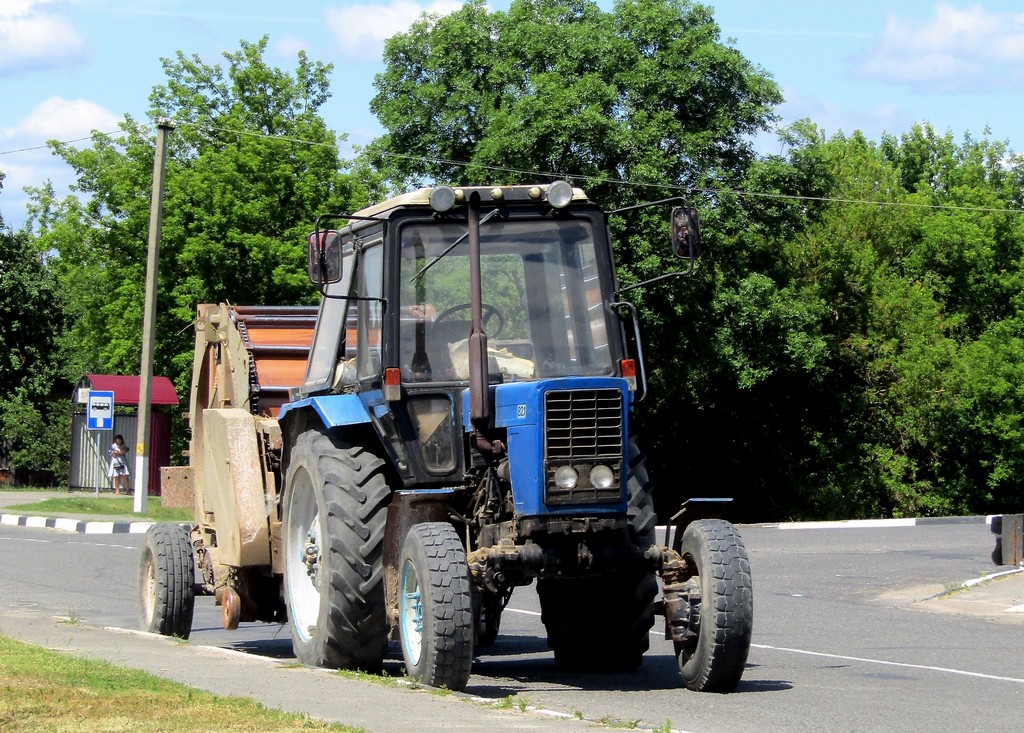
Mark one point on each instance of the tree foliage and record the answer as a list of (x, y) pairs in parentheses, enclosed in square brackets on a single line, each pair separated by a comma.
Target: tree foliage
[(33, 430), (646, 92), (31, 315), (250, 165), (896, 393), (849, 346)]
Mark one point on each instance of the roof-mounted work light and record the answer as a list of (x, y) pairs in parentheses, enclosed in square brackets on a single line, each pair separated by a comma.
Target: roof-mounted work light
[(559, 194)]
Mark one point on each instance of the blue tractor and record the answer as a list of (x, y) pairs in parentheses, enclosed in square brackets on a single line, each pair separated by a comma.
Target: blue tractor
[(464, 428)]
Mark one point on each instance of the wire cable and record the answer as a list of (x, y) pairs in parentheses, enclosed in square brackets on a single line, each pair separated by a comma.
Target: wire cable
[(717, 192)]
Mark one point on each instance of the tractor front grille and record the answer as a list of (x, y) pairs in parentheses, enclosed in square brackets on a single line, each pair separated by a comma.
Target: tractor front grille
[(583, 429)]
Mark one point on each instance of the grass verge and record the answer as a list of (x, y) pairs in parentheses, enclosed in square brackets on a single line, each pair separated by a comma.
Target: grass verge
[(110, 506), (43, 690)]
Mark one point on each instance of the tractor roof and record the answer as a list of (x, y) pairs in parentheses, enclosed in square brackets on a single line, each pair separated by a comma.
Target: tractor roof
[(421, 197)]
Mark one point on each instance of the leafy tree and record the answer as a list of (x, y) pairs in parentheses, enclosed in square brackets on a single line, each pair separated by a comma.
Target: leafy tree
[(250, 165), (646, 94), (917, 259), (35, 437), (34, 432), (30, 305)]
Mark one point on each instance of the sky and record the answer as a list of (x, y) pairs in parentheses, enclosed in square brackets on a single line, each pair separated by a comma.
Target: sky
[(71, 66)]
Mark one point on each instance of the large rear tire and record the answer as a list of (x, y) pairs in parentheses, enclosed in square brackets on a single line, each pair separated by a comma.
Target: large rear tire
[(166, 577), (435, 607), (335, 508), (723, 617)]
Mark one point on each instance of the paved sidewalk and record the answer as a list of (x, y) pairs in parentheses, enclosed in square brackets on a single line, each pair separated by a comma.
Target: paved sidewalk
[(321, 694)]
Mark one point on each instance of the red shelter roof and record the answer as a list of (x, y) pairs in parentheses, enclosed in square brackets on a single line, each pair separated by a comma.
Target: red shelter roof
[(126, 388)]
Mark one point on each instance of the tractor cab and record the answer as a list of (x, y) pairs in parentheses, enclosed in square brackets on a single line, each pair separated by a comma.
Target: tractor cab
[(400, 325)]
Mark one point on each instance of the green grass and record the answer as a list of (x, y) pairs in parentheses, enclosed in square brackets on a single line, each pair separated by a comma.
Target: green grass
[(116, 506), (355, 674), (43, 691)]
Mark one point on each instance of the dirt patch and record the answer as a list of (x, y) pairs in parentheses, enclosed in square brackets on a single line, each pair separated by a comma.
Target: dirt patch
[(999, 599)]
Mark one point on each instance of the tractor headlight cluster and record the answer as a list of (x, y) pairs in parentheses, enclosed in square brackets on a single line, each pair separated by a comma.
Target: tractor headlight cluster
[(599, 476)]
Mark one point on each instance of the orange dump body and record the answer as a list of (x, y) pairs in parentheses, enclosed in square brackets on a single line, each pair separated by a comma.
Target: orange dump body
[(278, 339)]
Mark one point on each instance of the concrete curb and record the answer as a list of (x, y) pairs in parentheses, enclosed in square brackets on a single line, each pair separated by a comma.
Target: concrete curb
[(67, 524), (871, 523)]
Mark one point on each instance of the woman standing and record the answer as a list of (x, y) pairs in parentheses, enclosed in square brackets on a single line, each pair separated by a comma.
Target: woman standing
[(118, 470)]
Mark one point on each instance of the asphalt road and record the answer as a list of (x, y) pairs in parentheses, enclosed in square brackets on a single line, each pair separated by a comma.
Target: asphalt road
[(844, 639)]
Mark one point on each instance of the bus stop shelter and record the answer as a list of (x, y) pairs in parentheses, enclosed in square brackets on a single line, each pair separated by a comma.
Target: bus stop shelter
[(90, 439)]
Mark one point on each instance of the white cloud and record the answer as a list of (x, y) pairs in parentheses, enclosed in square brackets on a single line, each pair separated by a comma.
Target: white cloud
[(54, 118), (956, 50), (361, 30), (18, 8), (832, 118), (63, 119), (287, 47), (34, 38)]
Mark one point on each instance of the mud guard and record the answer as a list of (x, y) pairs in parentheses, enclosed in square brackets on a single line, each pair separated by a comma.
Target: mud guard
[(690, 511)]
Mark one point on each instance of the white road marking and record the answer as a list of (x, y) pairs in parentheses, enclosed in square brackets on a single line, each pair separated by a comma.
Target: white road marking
[(866, 660), (91, 544), (904, 665), (849, 524)]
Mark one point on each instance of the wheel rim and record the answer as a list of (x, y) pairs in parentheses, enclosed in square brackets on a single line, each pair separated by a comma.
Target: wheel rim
[(303, 569), (695, 583), (410, 613), (149, 590)]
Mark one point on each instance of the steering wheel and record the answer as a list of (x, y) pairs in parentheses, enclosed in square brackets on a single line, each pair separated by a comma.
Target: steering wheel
[(488, 312)]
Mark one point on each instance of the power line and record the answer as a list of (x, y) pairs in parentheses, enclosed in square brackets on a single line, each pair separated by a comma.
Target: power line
[(46, 145), (578, 176)]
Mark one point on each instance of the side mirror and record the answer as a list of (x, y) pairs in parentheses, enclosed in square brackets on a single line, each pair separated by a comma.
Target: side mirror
[(686, 232), (324, 259)]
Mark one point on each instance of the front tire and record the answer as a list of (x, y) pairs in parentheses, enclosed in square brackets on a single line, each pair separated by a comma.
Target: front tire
[(166, 577), (333, 534), (435, 607), (714, 660)]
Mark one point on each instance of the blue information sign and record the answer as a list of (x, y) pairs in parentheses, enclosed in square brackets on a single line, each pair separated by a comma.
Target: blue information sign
[(101, 411)]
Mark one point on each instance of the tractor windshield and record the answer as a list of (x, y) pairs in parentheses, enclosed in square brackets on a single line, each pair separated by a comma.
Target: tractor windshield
[(543, 307)]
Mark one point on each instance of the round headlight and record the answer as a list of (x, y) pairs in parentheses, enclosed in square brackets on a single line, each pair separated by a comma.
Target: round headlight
[(559, 194), (566, 477), (442, 198), (601, 477)]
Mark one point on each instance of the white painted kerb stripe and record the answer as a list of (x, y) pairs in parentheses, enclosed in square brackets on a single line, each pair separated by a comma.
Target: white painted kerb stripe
[(99, 528)]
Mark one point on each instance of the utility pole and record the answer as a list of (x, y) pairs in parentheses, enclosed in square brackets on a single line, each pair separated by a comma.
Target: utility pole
[(163, 125)]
